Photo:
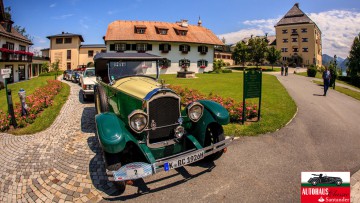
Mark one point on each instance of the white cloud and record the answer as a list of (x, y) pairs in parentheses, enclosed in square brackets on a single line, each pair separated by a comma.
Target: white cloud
[(112, 12), (40, 40), (62, 17), (52, 5), (83, 24), (338, 27)]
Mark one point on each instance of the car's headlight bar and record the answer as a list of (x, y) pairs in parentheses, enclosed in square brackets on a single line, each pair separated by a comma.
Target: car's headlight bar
[(138, 121), (195, 111)]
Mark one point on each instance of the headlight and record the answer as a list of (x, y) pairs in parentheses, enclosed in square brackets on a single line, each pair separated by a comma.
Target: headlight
[(195, 111), (138, 121)]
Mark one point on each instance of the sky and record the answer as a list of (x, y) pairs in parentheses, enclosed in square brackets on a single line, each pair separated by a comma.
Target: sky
[(339, 20)]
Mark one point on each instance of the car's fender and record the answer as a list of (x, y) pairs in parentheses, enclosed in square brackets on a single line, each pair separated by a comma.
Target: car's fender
[(112, 132), (219, 113)]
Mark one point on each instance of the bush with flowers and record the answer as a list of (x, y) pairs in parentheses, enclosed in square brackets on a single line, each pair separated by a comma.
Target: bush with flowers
[(235, 108), (36, 103)]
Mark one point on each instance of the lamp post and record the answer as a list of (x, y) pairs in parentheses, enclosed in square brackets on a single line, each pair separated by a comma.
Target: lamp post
[(335, 74)]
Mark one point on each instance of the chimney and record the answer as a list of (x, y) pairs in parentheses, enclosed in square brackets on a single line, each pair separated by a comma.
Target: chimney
[(184, 23), (62, 32), (297, 5)]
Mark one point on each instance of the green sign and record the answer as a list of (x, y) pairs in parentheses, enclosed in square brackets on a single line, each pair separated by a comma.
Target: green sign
[(252, 88), (252, 83)]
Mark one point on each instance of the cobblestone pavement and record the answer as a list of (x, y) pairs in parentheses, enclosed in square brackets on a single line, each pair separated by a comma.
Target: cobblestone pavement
[(355, 187), (62, 163)]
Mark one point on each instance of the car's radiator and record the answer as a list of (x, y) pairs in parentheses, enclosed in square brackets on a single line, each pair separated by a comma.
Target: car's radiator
[(163, 111)]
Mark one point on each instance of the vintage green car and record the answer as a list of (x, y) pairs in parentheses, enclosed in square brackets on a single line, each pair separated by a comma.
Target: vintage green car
[(140, 124)]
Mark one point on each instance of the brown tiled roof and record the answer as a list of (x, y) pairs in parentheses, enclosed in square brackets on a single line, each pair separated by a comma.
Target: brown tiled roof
[(14, 34), (124, 31), (294, 16)]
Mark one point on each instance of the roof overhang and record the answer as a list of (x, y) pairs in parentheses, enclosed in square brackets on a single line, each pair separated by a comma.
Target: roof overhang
[(127, 56)]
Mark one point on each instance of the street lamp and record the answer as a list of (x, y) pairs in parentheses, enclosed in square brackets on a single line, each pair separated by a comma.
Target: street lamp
[(335, 74)]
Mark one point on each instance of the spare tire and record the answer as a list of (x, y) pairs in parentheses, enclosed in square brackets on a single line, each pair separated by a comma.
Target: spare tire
[(101, 100)]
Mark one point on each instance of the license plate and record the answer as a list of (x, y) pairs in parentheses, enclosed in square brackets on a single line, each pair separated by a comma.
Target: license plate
[(184, 160)]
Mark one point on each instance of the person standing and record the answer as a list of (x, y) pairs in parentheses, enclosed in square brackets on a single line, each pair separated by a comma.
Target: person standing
[(286, 70), (282, 70), (326, 77)]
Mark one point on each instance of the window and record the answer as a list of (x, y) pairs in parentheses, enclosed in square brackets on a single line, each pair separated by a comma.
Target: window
[(68, 40), (284, 31), (163, 32), (59, 40), (10, 45), (285, 40), (203, 49), (284, 49), (164, 48), (103, 50), (294, 31), (22, 48), (140, 30), (120, 47), (304, 39), (184, 62), (294, 39), (90, 53), (68, 54), (141, 47), (165, 63), (295, 49), (284, 58), (202, 63), (68, 66), (184, 48), (303, 30), (183, 32), (305, 49)]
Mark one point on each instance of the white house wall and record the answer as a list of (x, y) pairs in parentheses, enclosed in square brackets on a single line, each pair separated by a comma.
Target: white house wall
[(175, 55)]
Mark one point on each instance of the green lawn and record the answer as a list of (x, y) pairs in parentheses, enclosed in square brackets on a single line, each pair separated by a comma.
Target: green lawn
[(277, 106), (344, 90), (267, 68)]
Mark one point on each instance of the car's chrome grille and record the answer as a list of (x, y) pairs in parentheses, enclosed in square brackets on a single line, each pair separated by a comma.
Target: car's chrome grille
[(163, 111)]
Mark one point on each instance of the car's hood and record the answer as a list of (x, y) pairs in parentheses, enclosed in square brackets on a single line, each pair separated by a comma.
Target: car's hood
[(136, 86), (89, 80)]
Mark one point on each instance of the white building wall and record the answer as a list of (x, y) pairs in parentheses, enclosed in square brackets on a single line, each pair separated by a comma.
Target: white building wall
[(175, 55)]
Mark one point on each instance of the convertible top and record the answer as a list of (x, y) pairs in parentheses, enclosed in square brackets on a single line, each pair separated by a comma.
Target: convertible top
[(127, 56)]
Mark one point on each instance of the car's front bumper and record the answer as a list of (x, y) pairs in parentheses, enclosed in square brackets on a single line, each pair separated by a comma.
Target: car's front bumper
[(88, 92), (130, 171)]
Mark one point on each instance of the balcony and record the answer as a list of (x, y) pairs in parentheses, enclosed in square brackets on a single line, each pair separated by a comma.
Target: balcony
[(7, 55)]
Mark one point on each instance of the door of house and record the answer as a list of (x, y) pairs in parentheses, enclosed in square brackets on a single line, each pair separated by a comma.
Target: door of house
[(68, 66), (11, 79), (21, 72)]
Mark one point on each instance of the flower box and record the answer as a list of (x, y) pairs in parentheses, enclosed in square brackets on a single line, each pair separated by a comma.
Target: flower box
[(202, 66)]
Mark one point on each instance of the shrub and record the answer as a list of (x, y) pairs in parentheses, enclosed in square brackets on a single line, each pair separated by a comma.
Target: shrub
[(227, 71), (51, 73), (344, 78), (2, 85), (355, 80), (311, 71)]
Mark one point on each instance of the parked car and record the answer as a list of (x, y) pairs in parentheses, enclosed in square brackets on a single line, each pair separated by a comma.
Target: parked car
[(319, 178), (141, 126), (87, 81), (75, 77), (67, 75)]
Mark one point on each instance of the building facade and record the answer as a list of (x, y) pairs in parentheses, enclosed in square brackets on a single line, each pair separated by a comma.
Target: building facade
[(298, 35), (68, 50), (183, 45), (14, 50)]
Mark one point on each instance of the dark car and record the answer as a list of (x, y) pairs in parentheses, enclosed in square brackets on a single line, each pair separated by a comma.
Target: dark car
[(75, 77), (67, 75), (319, 178), (141, 126)]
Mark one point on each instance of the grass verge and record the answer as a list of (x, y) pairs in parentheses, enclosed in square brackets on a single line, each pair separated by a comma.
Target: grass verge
[(277, 106), (344, 90)]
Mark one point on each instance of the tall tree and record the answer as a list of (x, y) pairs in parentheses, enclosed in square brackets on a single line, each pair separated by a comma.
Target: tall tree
[(241, 53), (273, 56), (257, 47), (354, 57)]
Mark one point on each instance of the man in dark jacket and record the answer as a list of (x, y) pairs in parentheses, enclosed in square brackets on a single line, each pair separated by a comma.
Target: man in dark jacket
[(326, 77)]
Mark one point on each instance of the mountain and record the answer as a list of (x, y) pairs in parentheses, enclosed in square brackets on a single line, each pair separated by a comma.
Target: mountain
[(343, 64), (326, 59)]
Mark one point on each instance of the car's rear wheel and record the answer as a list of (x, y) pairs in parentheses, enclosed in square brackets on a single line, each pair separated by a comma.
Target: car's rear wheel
[(101, 101), (314, 182), (338, 182), (214, 134)]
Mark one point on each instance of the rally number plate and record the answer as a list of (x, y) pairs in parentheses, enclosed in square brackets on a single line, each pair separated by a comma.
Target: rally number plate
[(184, 160)]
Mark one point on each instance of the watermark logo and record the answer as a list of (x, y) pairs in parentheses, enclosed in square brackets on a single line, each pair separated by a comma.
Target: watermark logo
[(325, 187)]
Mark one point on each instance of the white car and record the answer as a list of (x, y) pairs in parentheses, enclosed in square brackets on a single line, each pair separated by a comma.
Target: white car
[(87, 81)]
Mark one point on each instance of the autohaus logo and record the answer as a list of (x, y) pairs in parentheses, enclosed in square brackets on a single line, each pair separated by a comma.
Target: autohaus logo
[(325, 187)]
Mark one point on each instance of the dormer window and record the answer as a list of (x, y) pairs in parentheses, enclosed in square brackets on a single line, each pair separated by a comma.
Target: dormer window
[(161, 30), (164, 48), (203, 49), (140, 29), (181, 31), (184, 48)]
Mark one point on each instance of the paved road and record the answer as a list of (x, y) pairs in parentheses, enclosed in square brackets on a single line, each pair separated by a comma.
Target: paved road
[(64, 162)]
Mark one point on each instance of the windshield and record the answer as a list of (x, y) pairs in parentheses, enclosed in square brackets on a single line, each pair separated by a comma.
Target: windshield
[(119, 69), (89, 73)]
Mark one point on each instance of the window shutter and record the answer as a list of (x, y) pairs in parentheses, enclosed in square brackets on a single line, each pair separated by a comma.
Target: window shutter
[(199, 63), (206, 63), (128, 47), (206, 49), (199, 48), (188, 48), (161, 47), (149, 47), (180, 47), (112, 47), (169, 46), (133, 47)]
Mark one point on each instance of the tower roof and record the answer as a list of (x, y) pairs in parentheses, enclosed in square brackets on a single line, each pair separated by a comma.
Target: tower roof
[(295, 16)]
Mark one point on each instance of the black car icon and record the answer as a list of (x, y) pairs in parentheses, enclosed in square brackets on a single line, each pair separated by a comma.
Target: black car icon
[(319, 178)]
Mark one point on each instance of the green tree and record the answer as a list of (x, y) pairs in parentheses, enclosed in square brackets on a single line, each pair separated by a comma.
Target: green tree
[(55, 66), (241, 53), (273, 56), (45, 67), (354, 58), (217, 65), (257, 47)]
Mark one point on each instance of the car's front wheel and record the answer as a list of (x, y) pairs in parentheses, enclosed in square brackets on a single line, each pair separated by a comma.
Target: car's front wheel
[(101, 101), (113, 163), (338, 182), (214, 134)]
